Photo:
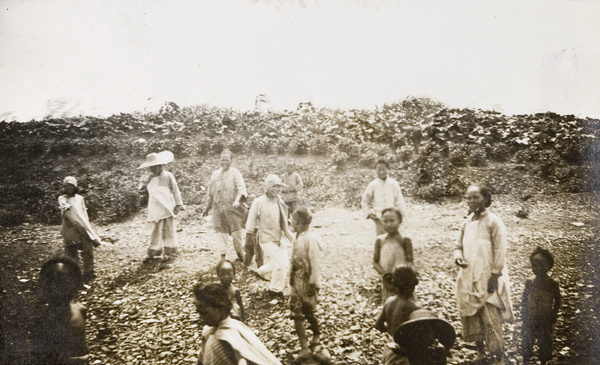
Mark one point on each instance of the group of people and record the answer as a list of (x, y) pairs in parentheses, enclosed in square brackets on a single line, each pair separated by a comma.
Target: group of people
[(482, 286)]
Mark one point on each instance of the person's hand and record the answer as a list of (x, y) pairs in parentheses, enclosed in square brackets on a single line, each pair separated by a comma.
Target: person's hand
[(461, 262), (205, 213), (372, 216), (493, 283), (312, 289), (236, 204), (178, 208)]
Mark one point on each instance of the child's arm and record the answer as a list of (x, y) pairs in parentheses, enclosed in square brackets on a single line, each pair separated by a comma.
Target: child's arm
[(62, 204), (458, 250), (238, 299), (380, 323), (367, 201), (252, 217), (524, 302), (314, 257), (299, 183), (240, 188), (556, 302), (376, 257), (408, 250), (176, 194)]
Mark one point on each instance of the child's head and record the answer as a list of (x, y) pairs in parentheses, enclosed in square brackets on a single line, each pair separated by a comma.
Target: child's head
[(478, 198), (273, 185), (70, 185), (290, 166), (381, 168), (60, 279), (541, 261), (405, 279), (391, 219), (226, 272), (212, 303), (301, 219), (226, 158)]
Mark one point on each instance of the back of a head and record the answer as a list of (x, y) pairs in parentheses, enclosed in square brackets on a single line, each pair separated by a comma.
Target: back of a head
[(405, 279), (213, 294), (60, 279)]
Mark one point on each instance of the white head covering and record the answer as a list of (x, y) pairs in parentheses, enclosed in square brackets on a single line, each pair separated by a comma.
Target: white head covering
[(70, 180), (272, 180)]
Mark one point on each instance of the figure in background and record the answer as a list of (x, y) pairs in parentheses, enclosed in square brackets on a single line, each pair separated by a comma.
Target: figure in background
[(482, 285), (77, 231), (59, 335), (164, 202), (383, 192), (391, 250), (226, 189), (539, 307), (227, 341), (293, 185), (268, 213)]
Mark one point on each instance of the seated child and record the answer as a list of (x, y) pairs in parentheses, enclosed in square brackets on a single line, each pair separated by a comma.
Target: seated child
[(59, 335), (391, 250), (397, 309), (539, 307), (226, 274)]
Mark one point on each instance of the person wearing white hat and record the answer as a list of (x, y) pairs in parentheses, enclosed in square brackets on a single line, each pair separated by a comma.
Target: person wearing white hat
[(164, 202), (226, 188), (76, 229), (269, 214)]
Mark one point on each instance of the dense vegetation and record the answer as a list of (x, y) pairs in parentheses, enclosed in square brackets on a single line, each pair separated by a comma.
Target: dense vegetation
[(435, 152)]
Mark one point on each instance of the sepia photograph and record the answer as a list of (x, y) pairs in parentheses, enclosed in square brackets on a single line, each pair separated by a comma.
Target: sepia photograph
[(300, 182)]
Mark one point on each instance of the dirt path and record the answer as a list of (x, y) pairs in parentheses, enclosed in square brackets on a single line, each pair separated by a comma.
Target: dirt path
[(143, 314)]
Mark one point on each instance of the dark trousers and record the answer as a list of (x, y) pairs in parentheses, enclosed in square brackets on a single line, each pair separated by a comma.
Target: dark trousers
[(251, 247), (87, 255)]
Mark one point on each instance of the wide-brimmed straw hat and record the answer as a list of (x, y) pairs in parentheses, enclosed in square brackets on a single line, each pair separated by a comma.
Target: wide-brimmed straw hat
[(421, 320), (161, 158)]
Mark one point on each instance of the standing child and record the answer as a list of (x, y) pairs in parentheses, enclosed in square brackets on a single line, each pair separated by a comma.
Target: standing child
[(482, 285), (59, 335), (398, 308), (391, 250), (293, 185), (76, 229), (539, 307), (226, 274), (305, 277), (164, 202)]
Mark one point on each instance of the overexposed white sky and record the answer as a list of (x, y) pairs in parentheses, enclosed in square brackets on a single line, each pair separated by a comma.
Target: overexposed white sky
[(98, 57)]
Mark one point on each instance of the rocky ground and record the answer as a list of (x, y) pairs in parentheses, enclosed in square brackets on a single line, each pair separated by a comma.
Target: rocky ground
[(144, 314)]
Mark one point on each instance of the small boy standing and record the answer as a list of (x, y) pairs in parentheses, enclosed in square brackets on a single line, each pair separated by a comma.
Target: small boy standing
[(391, 250), (293, 185), (226, 274), (76, 229), (539, 307), (59, 336), (305, 278), (164, 202)]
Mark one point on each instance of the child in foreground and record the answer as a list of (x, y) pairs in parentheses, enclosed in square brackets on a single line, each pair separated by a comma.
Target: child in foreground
[(391, 250), (59, 336), (226, 274), (77, 231), (539, 307), (305, 278)]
